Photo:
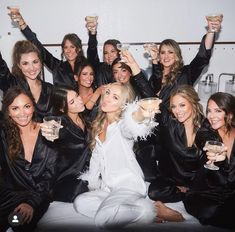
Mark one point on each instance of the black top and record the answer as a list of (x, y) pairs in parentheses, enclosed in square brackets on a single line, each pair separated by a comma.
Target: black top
[(177, 163), (61, 70), (43, 106), (74, 156), (212, 196), (188, 75), (28, 182), (103, 71)]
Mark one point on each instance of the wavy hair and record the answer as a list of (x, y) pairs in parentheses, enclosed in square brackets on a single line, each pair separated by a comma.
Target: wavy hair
[(178, 65), (12, 130), (189, 93), (127, 96), (23, 47)]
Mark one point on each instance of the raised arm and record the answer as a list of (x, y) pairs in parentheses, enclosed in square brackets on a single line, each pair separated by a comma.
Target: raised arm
[(138, 77), (205, 50), (92, 52), (6, 78), (50, 61)]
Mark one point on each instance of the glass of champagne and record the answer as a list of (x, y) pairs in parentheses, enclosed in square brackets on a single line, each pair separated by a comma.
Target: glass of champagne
[(213, 147), (91, 21), (150, 105), (213, 18), (14, 11), (123, 47)]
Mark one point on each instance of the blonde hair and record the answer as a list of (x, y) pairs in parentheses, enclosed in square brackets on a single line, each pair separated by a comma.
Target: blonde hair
[(189, 93), (127, 96)]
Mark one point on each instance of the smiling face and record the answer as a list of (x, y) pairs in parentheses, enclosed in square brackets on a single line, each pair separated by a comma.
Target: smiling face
[(215, 115), (75, 103), (30, 65), (182, 109), (167, 56), (70, 51), (21, 110), (110, 53), (120, 74), (86, 77)]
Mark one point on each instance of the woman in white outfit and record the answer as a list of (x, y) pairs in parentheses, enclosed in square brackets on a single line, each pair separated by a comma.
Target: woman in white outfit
[(118, 192)]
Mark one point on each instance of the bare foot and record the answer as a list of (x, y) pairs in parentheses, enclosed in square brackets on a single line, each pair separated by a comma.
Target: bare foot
[(167, 214)]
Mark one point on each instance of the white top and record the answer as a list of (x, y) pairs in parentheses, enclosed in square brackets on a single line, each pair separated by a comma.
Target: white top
[(113, 164)]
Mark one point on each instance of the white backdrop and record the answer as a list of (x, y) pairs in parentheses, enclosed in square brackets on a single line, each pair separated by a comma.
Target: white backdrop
[(132, 21)]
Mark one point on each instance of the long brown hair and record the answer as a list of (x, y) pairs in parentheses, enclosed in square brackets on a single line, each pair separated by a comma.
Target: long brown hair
[(23, 47), (12, 130), (177, 66)]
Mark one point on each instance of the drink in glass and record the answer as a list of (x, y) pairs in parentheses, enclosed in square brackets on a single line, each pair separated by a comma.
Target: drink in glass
[(213, 147), (54, 124), (213, 18), (123, 47), (14, 11), (150, 105)]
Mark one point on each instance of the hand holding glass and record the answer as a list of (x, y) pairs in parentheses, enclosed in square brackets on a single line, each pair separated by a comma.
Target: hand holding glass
[(91, 23), (216, 20), (122, 47), (151, 106), (14, 12), (53, 125), (148, 47), (213, 147)]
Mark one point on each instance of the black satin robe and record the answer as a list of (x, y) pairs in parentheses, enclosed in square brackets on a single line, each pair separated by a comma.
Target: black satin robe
[(212, 197), (177, 163), (188, 75), (62, 72), (73, 159), (26, 182), (43, 106), (103, 71)]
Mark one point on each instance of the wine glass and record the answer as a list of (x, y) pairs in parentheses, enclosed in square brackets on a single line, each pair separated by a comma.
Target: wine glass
[(148, 47), (123, 47), (213, 147), (214, 17), (149, 104), (14, 11)]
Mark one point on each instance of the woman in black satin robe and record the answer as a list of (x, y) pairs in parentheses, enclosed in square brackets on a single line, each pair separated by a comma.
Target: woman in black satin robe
[(212, 198), (169, 70), (26, 73), (62, 71), (27, 163), (72, 144), (179, 158)]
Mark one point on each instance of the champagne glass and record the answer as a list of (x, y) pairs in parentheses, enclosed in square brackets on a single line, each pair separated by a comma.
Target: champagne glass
[(91, 21), (214, 17), (123, 47), (150, 104), (14, 11), (213, 147), (148, 47)]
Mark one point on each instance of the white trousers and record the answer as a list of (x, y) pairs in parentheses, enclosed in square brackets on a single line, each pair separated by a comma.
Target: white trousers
[(119, 208)]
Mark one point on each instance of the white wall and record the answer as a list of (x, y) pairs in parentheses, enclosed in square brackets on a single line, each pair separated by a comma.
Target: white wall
[(132, 21)]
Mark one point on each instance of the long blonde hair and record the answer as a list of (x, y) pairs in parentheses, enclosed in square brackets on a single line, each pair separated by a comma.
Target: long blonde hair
[(127, 96)]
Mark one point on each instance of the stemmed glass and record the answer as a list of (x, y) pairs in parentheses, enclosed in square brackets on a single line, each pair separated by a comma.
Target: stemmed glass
[(150, 104), (14, 11), (214, 17), (213, 147), (148, 47), (123, 47)]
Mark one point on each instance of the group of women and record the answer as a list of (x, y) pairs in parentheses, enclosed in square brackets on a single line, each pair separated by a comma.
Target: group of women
[(117, 166)]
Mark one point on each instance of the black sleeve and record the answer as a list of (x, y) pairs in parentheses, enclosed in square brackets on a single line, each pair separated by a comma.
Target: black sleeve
[(92, 52), (50, 61)]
